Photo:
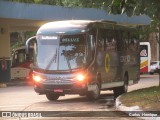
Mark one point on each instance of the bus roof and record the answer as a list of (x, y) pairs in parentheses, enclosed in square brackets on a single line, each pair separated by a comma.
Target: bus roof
[(62, 27), (144, 43), (70, 26)]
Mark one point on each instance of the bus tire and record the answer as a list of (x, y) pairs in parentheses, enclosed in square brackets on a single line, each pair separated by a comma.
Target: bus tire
[(123, 89), (52, 97), (94, 95)]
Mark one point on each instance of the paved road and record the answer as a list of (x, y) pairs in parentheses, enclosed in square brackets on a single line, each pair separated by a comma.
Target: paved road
[(23, 98), (145, 81)]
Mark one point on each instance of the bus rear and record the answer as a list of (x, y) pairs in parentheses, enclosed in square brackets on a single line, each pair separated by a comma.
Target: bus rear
[(21, 63), (145, 57)]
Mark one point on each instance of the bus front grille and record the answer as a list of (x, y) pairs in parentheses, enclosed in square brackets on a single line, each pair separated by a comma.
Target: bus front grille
[(58, 82)]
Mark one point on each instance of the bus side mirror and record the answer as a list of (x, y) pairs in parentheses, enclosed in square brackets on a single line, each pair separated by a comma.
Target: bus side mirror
[(28, 43), (92, 42)]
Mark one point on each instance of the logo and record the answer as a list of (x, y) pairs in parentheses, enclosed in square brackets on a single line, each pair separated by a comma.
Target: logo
[(107, 63), (24, 114), (70, 39), (6, 114), (143, 53), (125, 59), (57, 81)]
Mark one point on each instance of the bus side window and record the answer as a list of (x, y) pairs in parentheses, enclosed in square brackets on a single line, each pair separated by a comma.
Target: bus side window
[(29, 57), (125, 39), (91, 42), (14, 59), (100, 42), (21, 57), (110, 40), (133, 43), (118, 37)]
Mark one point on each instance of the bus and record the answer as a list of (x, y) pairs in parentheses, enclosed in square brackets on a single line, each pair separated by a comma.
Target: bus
[(145, 57), (84, 57), (20, 68)]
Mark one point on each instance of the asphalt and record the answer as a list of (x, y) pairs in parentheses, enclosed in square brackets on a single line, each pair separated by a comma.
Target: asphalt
[(17, 82), (118, 104)]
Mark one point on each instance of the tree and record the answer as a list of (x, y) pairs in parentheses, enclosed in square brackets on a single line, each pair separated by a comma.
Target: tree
[(138, 7), (129, 7)]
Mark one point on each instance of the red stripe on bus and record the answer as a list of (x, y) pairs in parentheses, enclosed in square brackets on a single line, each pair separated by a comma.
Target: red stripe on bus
[(145, 69)]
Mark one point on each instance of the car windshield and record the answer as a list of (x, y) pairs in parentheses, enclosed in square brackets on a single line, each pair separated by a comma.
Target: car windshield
[(66, 52)]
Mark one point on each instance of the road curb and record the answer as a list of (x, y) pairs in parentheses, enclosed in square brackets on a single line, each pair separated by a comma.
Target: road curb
[(121, 107)]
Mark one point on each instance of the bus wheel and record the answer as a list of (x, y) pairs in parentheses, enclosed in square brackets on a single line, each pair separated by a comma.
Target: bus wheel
[(123, 89), (52, 97), (94, 95)]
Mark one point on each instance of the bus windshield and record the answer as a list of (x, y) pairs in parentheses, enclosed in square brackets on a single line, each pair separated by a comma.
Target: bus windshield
[(65, 52)]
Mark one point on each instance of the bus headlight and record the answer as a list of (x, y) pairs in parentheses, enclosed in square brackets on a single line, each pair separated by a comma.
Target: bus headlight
[(80, 77), (37, 78)]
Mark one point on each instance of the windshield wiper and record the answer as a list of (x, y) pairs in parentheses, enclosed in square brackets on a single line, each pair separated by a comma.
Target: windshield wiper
[(52, 60)]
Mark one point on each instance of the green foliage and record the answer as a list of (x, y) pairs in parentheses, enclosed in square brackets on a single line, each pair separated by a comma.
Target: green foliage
[(146, 98), (17, 42), (139, 7)]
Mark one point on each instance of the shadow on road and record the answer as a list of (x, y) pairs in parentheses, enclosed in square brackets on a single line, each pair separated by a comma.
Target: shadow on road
[(105, 101)]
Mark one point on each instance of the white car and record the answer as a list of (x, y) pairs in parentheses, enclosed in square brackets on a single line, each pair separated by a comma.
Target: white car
[(155, 67)]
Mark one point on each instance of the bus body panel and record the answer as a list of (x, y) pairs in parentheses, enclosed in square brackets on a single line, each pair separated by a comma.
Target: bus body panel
[(20, 73), (114, 62)]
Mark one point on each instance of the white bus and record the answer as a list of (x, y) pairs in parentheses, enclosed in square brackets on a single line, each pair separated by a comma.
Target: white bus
[(21, 62), (145, 57)]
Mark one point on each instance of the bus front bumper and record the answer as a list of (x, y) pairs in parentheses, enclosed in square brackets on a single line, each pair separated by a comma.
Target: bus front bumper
[(60, 89)]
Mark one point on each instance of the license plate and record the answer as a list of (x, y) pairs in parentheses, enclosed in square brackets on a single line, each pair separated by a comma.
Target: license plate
[(58, 90)]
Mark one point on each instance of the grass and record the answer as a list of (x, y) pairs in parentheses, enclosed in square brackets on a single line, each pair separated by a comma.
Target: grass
[(147, 98)]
